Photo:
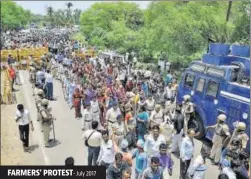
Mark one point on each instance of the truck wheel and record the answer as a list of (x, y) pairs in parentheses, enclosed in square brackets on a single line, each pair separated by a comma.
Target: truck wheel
[(197, 124)]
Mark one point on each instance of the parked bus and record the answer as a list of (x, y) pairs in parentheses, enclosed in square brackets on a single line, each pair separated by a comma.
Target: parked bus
[(218, 84), (112, 55)]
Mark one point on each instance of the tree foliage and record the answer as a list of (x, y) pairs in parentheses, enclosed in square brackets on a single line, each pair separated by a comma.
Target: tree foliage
[(13, 16), (63, 17), (181, 30)]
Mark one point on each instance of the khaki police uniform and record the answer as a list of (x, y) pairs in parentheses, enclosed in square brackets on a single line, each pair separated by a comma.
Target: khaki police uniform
[(39, 96), (187, 110), (221, 133), (241, 135), (46, 121), (46, 124)]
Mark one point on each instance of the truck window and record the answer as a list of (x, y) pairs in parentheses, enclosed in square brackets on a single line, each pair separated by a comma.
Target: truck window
[(189, 80), (212, 89), (234, 75), (200, 85)]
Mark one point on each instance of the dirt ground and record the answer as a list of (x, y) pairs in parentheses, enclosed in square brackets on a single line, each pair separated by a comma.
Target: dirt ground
[(11, 147)]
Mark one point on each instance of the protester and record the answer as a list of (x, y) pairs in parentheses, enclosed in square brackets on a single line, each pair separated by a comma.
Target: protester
[(69, 162), (93, 139), (24, 121)]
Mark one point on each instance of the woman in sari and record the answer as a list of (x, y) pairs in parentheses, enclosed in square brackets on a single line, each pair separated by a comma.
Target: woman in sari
[(77, 96)]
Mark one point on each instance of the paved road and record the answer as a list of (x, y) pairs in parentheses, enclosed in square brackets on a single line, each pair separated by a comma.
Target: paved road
[(68, 134)]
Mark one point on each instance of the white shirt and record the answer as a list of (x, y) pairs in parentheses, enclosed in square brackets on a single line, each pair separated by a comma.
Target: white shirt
[(150, 104), (95, 107), (25, 117), (107, 152), (186, 148), (87, 117), (120, 128), (95, 139), (148, 73), (151, 146), (229, 172), (169, 92), (122, 75), (157, 117), (48, 78), (111, 115)]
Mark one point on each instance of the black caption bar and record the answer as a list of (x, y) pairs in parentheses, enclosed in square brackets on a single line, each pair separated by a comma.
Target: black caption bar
[(88, 172)]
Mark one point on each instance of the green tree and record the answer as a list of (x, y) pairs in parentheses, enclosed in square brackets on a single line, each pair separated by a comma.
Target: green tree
[(50, 14), (69, 5), (241, 33), (76, 16), (13, 16), (182, 30), (100, 22)]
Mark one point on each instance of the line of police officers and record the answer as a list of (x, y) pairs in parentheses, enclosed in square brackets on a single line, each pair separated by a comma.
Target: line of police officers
[(43, 112)]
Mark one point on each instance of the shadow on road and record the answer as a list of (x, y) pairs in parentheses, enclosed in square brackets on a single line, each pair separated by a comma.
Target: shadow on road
[(54, 143), (33, 147)]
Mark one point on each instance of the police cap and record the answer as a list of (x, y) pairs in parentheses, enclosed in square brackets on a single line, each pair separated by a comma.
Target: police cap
[(222, 117), (44, 102), (186, 97), (241, 126), (40, 92)]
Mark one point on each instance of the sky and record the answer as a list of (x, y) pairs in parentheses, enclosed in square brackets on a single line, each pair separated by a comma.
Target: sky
[(39, 7)]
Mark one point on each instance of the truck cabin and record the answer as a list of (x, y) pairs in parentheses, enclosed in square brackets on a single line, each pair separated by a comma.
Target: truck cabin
[(235, 58)]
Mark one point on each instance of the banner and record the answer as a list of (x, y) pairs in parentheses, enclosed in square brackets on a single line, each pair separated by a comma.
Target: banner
[(23, 172)]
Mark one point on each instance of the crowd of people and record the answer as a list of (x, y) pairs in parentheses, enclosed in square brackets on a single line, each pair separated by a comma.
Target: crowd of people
[(127, 114)]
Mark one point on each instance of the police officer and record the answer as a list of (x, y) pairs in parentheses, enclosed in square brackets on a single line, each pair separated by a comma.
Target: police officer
[(87, 119), (187, 110), (39, 96), (178, 123), (95, 109), (221, 133), (240, 134), (46, 121), (150, 104), (32, 76)]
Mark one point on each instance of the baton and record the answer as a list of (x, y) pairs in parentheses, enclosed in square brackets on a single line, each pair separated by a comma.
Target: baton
[(53, 131)]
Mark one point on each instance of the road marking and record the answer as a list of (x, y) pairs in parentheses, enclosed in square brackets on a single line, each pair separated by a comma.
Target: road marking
[(40, 138), (21, 78)]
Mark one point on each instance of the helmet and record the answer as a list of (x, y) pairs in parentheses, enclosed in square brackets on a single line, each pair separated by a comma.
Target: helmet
[(186, 97), (40, 92), (241, 126), (44, 102), (222, 117)]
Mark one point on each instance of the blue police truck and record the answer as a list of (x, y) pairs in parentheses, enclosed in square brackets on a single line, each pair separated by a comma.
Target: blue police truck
[(218, 84)]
